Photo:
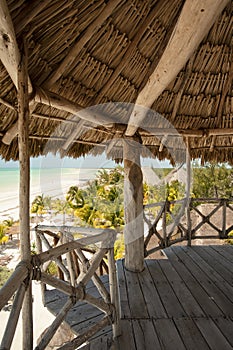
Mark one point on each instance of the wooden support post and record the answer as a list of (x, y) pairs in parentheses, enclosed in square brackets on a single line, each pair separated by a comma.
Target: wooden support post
[(39, 250), (114, 292), (133, 204), (164, 225), (24, 164), (224, 217), (13, 319), (188, 187)]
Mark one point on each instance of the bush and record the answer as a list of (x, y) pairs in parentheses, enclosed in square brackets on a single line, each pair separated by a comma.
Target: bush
[(52, 269), (119, 248)]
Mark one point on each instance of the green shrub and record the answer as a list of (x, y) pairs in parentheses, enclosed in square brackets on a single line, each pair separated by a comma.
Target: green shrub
[(52, 269)]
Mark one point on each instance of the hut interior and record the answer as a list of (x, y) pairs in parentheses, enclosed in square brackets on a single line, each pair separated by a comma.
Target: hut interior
[(130, 78)]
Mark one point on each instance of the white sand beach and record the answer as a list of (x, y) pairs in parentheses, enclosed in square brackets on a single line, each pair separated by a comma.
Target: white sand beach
[(50, 182)]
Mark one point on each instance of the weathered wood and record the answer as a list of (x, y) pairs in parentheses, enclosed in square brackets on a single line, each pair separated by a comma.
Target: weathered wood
[(136, 299), (212, 334), (190, 334), (215, 271), (54, 326), (152, 298), (86, 231), (186, 132), (94, 263), (217, 297), (114, 293), (59, 102), (56, 283), (105, 237), (164, 242), (169, 299), (39, 250), (96, 280), (57, 260), (70, 263), (24, 190), (127, 337), (9, 51), (188, 189), (225, 325), (123, 293), (145, 335), (225, 252), (12, 284), (185, 297), (189, 329), (75, 343), (133, 206), (100, 304), (195, 20), (224, 217), (168, 334), (13, 318), (218, 262)]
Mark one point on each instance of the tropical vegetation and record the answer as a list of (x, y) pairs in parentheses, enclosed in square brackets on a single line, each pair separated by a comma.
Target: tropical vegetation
[(100, 203)]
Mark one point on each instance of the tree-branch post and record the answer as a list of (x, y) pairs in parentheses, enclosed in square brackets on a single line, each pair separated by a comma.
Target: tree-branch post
[(133, 206), (24, 191)]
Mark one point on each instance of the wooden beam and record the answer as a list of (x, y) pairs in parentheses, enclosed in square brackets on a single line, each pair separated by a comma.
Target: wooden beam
[(63, 139), (89, 114), (92, 28), (197, 17), (186, 132), (133, 206), (9, 51), (24, 192), (56, 101)]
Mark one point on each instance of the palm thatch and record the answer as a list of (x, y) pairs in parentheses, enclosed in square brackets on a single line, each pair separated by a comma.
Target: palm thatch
[(88, 61)]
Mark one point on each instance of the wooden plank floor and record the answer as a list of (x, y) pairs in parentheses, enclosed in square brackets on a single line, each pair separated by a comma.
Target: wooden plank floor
[(182, 302)]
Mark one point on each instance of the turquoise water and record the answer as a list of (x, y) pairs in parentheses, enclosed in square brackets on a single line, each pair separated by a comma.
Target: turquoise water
[(53, 182), (9, 177)]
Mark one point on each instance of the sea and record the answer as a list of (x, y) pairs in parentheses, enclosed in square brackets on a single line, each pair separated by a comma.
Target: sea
[(53, 182)]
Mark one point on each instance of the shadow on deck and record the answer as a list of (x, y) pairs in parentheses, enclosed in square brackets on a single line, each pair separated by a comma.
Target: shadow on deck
[(182, 302)]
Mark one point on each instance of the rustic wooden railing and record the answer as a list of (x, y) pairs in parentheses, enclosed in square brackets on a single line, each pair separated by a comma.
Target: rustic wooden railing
[(72, 283), (171, 222)]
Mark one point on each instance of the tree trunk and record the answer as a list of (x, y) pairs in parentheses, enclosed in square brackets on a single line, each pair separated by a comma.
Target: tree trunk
[(133, 204), (24, 224)]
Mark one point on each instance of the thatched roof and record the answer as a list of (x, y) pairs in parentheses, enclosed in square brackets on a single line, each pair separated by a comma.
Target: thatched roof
[(105, 53)]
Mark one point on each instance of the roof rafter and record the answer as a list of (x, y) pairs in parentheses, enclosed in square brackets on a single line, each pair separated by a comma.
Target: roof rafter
[(71, 56), (196, 19)]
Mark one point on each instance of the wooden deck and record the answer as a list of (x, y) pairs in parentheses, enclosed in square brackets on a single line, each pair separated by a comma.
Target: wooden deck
[(183, 302)]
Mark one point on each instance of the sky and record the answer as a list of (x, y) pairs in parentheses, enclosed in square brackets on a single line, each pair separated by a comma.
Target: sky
[(91, 162)]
